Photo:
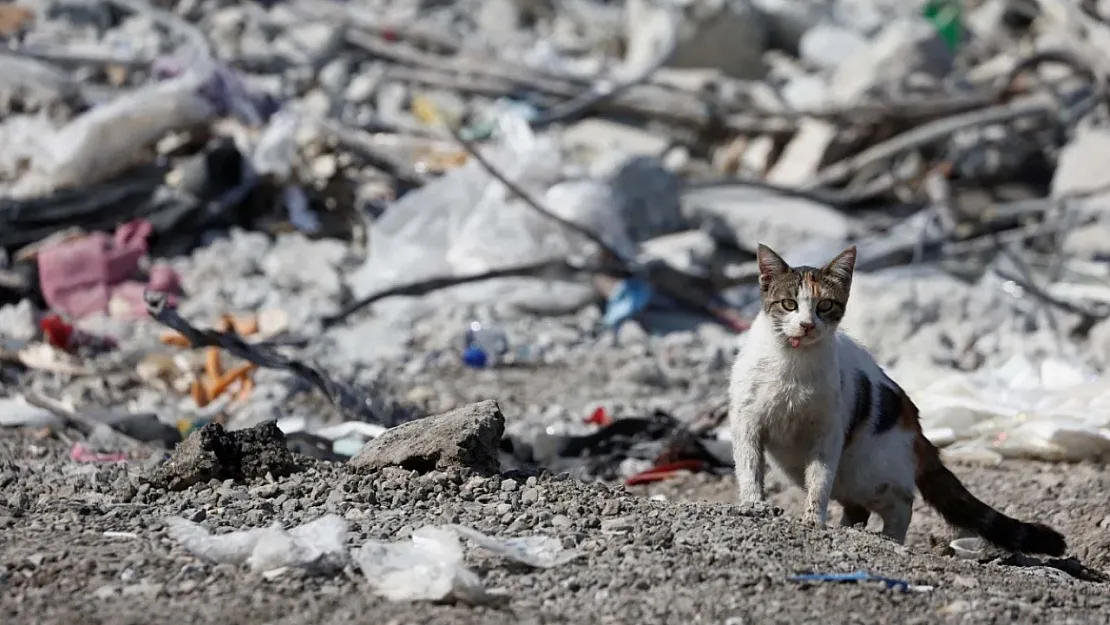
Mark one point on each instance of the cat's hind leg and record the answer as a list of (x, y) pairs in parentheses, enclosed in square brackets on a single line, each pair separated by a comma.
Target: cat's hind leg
[(896, 512), (853, 514)]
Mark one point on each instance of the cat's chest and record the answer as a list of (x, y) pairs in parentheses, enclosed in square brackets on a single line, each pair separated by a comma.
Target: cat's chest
[(794, 398)]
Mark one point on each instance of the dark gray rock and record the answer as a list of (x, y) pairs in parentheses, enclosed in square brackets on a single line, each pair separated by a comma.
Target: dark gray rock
[(215, 453), (465, 437)]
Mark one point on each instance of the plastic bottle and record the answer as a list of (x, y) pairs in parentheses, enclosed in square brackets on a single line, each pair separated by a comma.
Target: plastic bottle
[(484, 345)]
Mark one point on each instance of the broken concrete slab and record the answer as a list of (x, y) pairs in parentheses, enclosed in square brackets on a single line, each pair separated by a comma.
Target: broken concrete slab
[(741, 215), (1081, 169), (215, 453), (724, 34), (803, 156), (467, 437), (598, 137), (905, 48), (828, 45)]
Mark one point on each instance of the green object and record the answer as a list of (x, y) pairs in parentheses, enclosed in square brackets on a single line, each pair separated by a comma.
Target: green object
[(947, 16)]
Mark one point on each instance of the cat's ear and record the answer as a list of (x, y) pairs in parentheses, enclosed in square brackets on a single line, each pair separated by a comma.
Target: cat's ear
[(770, 265), (842, 267)]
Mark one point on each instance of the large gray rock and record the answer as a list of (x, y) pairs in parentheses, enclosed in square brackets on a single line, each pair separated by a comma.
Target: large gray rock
[(466, 437)]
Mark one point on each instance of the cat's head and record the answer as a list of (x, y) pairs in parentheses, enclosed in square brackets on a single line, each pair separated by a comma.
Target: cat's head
[(804, 304)]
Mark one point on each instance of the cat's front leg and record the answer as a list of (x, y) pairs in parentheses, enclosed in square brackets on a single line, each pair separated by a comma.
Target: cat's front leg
[(747, 455), (820, 476)]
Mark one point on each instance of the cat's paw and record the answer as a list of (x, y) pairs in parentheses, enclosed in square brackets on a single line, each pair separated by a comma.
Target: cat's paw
[(759, 508), (812, 518)]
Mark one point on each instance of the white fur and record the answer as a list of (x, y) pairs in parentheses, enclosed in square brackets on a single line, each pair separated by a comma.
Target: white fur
[(797, 404)]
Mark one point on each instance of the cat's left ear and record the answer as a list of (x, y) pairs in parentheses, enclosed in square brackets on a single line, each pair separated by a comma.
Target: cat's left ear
[(842, 267)]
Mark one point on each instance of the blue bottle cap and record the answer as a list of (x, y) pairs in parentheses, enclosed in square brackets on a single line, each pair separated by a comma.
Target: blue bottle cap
[(474, 356)]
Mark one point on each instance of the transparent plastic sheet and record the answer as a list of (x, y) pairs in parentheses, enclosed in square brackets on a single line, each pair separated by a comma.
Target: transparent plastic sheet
[(1049, 410), (113, 137), (430, 566), (319, 546), (466, 222), (537, 551), (276, 150)]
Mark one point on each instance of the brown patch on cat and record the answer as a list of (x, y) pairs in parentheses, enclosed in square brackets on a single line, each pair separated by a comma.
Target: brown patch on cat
[(814, 286), (909, 418)]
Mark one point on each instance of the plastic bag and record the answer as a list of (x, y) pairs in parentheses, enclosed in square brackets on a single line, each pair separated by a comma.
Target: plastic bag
[(113, 137), (466, 222), (319, 546), (276, 150), (428, 567), (1050, 410), (538, 551)]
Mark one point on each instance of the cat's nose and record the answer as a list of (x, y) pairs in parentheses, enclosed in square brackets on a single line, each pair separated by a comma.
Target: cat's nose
[(806, 326)]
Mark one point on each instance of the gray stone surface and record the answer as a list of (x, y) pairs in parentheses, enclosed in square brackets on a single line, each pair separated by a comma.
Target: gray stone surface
[(92, 546), (464, 438)]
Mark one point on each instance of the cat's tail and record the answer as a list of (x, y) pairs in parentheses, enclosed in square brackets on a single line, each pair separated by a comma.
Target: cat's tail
[(942, 490)]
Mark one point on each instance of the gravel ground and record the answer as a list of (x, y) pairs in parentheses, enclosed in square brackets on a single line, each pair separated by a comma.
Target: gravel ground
[(670, 552)]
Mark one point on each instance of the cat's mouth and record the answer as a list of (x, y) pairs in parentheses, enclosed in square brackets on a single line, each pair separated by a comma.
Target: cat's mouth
[(800, 341)]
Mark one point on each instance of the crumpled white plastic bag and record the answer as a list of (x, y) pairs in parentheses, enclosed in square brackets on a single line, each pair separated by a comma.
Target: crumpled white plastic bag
[(430, 566), (466, 222), (1046, 410), (319, 546)]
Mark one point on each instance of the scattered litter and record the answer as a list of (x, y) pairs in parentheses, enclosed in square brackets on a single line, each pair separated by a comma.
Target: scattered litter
[(974, 548), (318, 547), (17, 412), (1050, 410), (627, 299), (353, 403), (664, 472), (428, 567), (82, 453), (537, 551), (890, 583)]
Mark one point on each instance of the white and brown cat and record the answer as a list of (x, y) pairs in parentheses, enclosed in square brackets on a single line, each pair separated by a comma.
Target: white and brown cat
[(836, 424)]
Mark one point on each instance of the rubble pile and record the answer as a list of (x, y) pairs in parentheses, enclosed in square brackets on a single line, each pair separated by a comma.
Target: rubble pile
[(344, 217)]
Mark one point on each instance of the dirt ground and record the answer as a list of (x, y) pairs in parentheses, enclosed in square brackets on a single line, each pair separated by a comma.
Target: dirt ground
[(674, 552)]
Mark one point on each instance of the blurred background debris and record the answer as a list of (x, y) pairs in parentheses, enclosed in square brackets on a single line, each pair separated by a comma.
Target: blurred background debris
[(391, 209)]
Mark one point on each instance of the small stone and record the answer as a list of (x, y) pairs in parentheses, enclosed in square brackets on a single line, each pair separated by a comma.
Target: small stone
[(956, 607), (560, 520), (530, 495), (502, 508), (963, 581), (508, 486), (362, 87), (335, 75)]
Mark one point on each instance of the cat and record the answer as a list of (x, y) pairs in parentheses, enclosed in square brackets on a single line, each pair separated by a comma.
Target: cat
[(828, 415)]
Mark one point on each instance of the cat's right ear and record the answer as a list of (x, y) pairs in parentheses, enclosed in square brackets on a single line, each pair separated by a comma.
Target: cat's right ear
[(770, 265)]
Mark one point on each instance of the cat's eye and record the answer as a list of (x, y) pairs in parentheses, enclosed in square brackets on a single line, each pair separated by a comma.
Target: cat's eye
[(824, 306), (788, 305)]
